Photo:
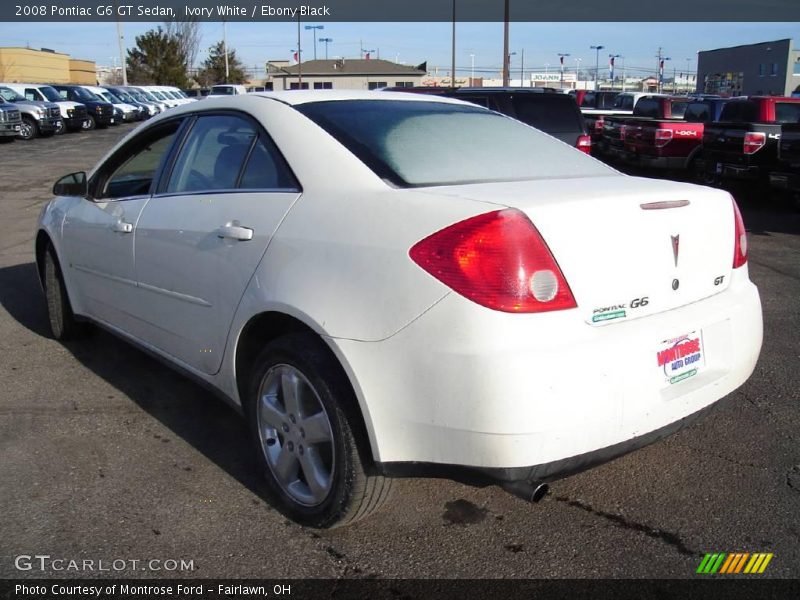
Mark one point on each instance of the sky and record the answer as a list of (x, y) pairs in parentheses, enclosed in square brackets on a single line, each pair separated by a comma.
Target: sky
[(414, 43)]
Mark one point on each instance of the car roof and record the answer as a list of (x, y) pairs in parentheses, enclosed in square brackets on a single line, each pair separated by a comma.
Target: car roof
[(297, 97)]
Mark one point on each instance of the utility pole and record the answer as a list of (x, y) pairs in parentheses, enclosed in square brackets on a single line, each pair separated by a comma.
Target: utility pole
[(120, 39), (472, 70), (225, 49), (561, 56), (313, 29), (506, 57), (327, 40), (522, 69), (623, 72), (596, 63), (453, 57), (299, 56)]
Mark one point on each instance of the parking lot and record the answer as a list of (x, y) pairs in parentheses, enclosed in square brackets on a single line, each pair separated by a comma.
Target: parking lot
[(107, 454)]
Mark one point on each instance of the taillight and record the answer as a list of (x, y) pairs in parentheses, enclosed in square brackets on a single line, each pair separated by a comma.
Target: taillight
[(584, 144), (740, 239), (754, 141), (663, 137), (623, 131), (498, 260)]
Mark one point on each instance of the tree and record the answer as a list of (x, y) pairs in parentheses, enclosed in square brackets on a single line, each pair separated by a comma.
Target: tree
[(188, 35), (213, 70), (157, 59)]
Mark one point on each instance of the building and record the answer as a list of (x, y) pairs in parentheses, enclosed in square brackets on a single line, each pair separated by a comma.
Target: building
[(26, 65), (345, 74), (767, 68)]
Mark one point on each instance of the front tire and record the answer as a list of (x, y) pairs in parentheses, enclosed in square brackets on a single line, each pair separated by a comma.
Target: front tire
[(89, 123), (29, 129), (297, 409), (59, 310), (61, 127)]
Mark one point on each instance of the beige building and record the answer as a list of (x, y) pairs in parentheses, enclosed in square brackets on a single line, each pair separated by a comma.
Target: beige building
[(343, 74), (26, 65)]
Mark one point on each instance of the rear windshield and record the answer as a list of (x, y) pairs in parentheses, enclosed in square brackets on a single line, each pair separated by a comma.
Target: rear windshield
[(419, 143), (553, 113), (787, 112), (222, 89), (679, 109)]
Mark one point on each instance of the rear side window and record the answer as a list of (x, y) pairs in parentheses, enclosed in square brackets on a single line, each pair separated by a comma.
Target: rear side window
[(697, 112), (553, 113), (678, 109), (648, 107), (227, 152), (624, 102), (402, 142), (787, 112), (741, 112)]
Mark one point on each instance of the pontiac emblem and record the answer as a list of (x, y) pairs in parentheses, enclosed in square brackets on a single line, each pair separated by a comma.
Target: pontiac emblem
[(676, 241)]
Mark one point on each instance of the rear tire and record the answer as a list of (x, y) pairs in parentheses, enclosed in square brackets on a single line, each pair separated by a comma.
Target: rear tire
[(315, 476), (59, 310)]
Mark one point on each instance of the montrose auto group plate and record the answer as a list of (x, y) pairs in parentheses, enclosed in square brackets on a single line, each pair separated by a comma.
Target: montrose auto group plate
[(681, 358)]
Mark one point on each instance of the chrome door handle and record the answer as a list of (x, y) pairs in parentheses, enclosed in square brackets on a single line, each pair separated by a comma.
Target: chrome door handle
[(234, 231), (122, 227)]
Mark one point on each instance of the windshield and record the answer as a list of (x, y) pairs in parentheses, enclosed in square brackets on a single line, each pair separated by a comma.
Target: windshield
[(224, 90), (50, 93), (149, 96), (420, 143), (109, 97), (172, 95), (85, 94), (11, 95), (158, 95)]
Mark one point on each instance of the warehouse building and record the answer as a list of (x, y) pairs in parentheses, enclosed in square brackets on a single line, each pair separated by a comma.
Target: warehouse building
[(26, 65), (346, 74), (767, 68)]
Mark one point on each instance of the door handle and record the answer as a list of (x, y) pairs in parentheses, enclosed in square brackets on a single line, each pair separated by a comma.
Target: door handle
[(122, 227), (234, 231)]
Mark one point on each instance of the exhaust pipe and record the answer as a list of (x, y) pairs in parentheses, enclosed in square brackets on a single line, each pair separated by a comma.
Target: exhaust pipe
[(530, 491)]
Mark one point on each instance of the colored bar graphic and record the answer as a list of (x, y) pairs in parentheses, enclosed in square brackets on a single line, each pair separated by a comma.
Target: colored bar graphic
[(734, 563)]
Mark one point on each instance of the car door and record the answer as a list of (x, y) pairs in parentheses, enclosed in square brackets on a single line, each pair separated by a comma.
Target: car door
[(201, 237), (97, 236)]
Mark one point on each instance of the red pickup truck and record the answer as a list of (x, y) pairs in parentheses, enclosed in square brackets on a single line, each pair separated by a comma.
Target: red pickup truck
[(648, 108), (672, 144)]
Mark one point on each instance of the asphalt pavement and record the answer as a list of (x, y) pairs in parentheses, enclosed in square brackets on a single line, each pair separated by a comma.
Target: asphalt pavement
[(105, 454)]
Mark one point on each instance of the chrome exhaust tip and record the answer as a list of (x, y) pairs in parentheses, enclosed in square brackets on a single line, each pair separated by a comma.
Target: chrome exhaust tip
[(530, 491)]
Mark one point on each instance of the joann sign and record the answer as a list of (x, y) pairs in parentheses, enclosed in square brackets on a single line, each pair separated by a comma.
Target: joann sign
[(552, 77)]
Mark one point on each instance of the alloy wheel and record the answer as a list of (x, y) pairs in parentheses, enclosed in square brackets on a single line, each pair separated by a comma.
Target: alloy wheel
[(296, 435)]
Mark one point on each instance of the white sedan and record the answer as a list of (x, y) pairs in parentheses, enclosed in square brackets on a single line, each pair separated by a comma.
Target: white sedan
[(395, 285)]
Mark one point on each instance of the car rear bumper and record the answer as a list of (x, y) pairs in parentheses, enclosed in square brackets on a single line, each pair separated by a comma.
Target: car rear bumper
[(785, 181), (734, 171), (675, 163), (548, 393)]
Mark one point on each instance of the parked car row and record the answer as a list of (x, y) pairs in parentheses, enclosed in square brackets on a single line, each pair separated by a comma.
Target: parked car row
[(29, 110), (713, 139)]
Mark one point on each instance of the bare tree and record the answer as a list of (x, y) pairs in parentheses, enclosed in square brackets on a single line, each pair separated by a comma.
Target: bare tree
[(188, 35)]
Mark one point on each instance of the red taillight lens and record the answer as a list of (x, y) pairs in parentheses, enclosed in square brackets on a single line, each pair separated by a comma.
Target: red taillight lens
[(754, 141), (498, 260), (598, 125), (584, 144), (663, 137), (740, 239), (623, 131)]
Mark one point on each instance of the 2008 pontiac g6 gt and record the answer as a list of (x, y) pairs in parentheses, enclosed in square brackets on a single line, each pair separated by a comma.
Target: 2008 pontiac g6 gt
[(394, 285)]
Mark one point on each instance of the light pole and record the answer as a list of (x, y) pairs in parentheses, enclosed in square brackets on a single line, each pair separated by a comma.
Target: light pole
[(472, 70), (506, 72), (522, 69), (510, 54), (314, 36), (623, 72), (577, 73), (561, 57), (596, 63), (327, 41), (611, 59)]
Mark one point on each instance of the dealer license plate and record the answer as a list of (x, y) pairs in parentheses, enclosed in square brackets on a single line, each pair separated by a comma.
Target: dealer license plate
[(681, 358)]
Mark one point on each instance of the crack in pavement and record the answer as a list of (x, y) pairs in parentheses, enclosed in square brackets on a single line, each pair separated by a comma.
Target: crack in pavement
[(667, 537)]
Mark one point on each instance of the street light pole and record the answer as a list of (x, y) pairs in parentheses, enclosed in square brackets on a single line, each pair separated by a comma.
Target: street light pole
[(472, 70), (577, 73), (505, 45), (561, 57), (313, 29), (326, 40), (453, 50), (596, 63), (522, 69), (611, 59)]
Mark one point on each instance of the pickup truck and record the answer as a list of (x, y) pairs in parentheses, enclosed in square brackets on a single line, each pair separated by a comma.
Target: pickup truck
[(99, 113), (787, 173), (38, 118), (10, 121), (744, 143), (73, 114), (670, 144), (623, 105), (648, 108)]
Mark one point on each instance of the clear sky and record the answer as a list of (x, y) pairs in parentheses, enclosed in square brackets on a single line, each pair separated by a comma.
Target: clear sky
[(413, 43)]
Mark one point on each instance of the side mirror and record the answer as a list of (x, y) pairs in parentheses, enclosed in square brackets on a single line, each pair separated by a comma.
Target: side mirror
[(73, 184)]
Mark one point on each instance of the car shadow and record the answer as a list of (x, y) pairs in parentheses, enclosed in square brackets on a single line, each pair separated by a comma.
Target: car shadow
[(191, 412)]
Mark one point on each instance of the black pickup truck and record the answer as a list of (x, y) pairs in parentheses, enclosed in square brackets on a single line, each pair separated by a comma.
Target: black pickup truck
[(787, 173), (743, 144)]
